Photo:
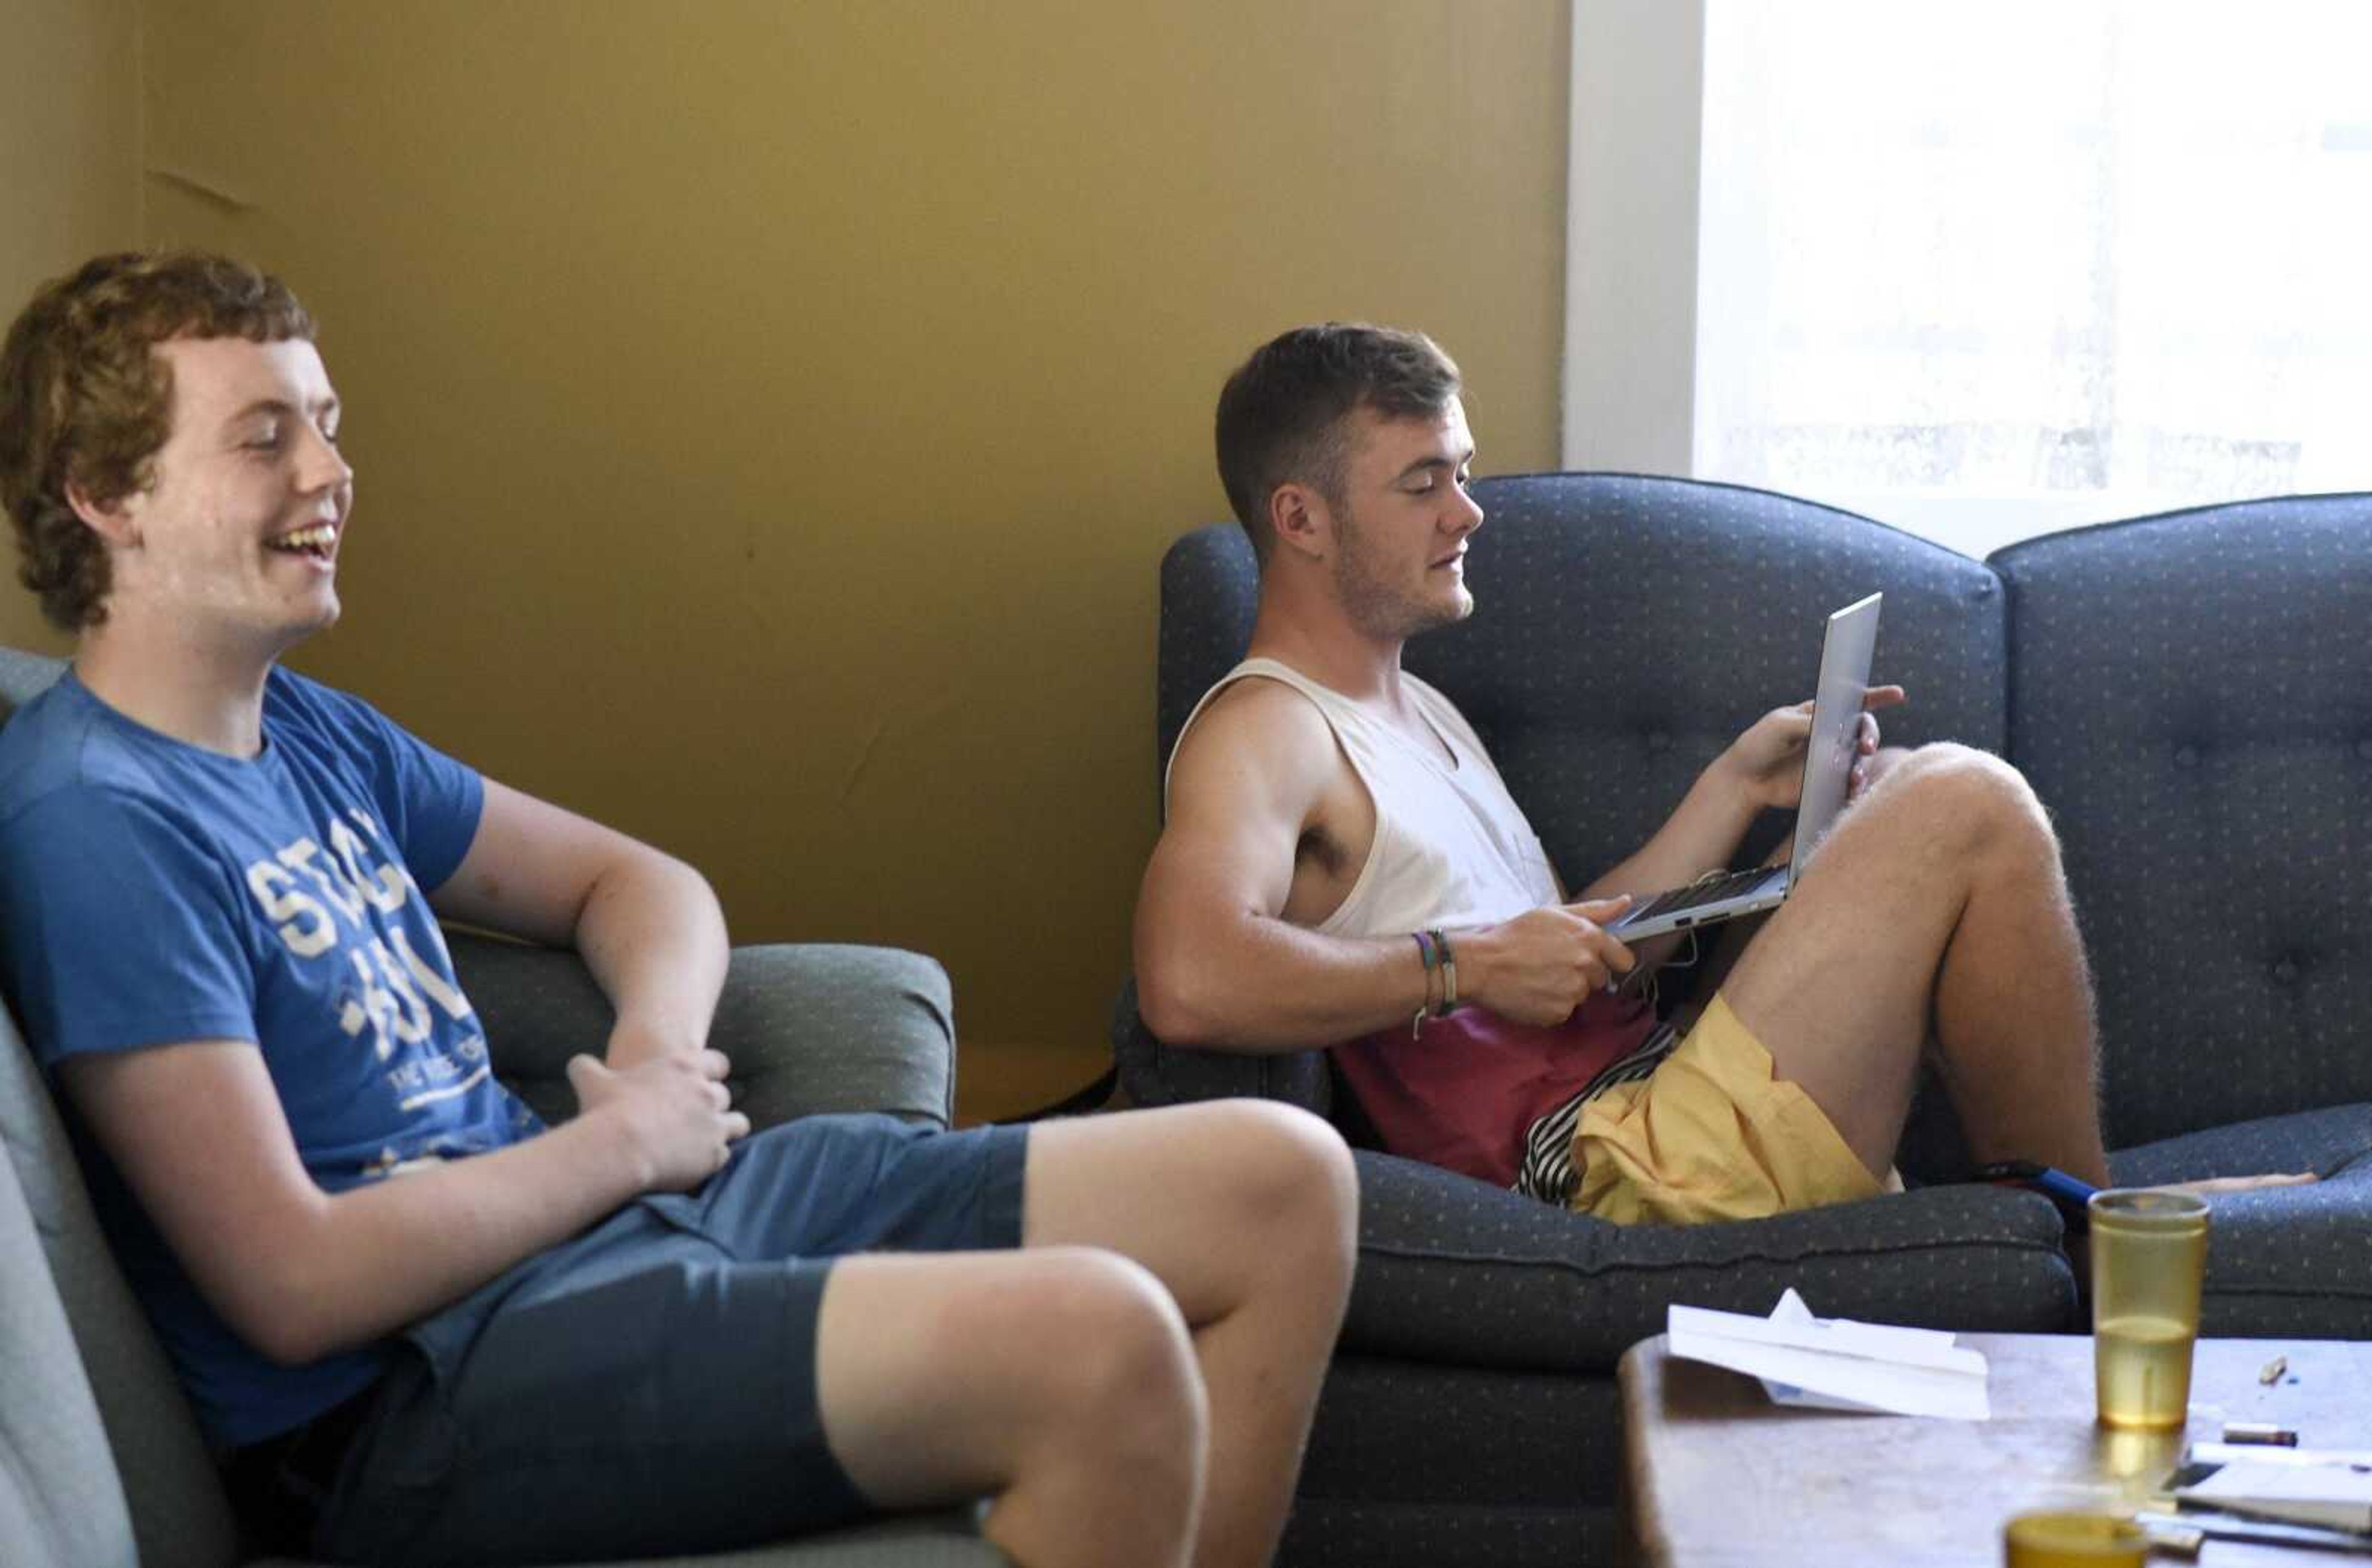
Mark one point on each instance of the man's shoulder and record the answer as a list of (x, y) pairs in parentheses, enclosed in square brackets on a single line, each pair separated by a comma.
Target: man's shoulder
[(1258, 746), (1262, 715), (59, 755)]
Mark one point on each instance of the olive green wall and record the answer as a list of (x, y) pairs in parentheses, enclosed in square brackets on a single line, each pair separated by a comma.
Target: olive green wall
[(69, 173), (770, 416)]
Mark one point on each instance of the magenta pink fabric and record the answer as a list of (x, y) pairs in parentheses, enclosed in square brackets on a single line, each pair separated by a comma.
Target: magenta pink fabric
[(1464, 1092)]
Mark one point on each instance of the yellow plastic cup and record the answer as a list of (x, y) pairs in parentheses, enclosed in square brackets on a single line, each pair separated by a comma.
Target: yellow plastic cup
[(2149, 1254), (2073, 1541)]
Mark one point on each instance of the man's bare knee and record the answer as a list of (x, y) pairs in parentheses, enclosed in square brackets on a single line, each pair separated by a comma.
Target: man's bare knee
[(1292, 1174), (1118, 1376), (1971, 798)]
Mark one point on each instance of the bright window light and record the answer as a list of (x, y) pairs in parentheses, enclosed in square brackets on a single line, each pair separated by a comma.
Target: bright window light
[(1986, 270)]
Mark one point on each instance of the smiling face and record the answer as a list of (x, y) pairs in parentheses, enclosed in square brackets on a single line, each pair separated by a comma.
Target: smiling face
[(1402, 523), (234, 541)]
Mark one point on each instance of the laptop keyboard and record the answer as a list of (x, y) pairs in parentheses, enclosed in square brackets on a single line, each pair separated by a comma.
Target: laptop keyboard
[(1707, 890)]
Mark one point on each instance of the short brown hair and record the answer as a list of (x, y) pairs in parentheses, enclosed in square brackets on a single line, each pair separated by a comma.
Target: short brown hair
[(85, 402), (1281, 415)]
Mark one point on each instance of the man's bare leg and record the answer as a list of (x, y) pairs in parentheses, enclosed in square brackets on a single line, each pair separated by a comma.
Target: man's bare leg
[(1144, 1412), (1060, 1383), (1968, 859), (1246, 1212), (1936, 908)]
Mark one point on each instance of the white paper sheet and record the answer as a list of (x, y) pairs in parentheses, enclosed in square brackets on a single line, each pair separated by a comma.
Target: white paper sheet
[(2339, 1496), (1836, 1362)]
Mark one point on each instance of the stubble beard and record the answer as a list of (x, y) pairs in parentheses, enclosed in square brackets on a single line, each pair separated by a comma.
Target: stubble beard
[(1379, 607)]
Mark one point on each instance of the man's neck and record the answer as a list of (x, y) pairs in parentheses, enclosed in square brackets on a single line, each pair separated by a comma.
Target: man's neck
[(200, 695), (1329, 650)]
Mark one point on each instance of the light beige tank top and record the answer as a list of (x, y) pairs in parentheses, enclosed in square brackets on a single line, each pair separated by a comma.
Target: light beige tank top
[(1452, 849)]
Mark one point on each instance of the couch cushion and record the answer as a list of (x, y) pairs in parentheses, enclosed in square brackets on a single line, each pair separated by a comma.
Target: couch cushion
[(1374, 1532), (1456, 1272), (2191, 696), (1426, 1432), (1155, 1074), (61, 1503), (2286, 1262), (25, 675), (810, 1026), (178, 1515)]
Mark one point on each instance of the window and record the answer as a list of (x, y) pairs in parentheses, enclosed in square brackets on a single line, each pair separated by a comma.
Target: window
[(1984, 269)]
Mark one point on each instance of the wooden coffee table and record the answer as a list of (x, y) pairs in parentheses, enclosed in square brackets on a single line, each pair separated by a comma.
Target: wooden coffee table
[(1719, 1477)]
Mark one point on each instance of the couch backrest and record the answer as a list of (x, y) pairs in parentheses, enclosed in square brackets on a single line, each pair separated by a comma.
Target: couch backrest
[(61, 1502), (2192, 694), (92, 1416), (1626, 629)]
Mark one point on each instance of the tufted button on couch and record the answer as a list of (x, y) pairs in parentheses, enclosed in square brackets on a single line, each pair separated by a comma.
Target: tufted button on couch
[(2190, 695)]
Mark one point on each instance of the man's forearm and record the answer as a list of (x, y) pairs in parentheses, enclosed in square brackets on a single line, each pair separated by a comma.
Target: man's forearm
[(653, 935), (363, 1263), (1269, 987)]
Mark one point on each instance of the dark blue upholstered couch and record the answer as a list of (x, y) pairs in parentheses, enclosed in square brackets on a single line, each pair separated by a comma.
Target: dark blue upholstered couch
[(2191, 696)]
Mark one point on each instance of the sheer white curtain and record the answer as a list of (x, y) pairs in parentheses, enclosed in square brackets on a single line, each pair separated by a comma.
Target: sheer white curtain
[(1988, 268)]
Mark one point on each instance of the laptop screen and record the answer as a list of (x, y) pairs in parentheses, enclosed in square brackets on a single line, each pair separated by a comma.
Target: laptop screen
[(1845, 656)]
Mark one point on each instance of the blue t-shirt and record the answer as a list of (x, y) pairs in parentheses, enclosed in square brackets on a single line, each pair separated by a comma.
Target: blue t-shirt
[(153, 892)]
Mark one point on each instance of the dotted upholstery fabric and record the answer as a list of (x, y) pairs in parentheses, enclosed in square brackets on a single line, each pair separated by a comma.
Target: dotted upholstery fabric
[(1508, 1438), (1490, 1479), (2193, 695), (1453, 1270), (1343, 1533), (1627, 629), (2287, 1261)]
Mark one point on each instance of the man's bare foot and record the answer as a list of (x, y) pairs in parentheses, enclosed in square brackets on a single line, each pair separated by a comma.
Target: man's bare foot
[(2079, 1246), (2213, 1185)]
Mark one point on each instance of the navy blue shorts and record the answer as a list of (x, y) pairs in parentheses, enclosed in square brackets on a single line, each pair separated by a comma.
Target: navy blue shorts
[(649, 1388)]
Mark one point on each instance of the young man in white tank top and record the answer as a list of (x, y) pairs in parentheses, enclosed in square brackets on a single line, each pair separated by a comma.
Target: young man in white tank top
[(1339, 854)]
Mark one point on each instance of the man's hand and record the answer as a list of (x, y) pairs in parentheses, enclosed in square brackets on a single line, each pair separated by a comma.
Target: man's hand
[(1767, 762), (1538, 966), (673, 1111)]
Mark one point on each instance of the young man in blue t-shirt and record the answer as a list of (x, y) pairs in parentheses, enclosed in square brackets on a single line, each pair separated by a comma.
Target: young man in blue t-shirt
[(419, 1326)]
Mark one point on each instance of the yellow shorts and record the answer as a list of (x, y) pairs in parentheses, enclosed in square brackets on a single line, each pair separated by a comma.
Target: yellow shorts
[(1711, 1135)]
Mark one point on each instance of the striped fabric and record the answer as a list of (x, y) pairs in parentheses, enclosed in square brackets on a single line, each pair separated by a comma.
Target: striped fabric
[(1547, 1172)]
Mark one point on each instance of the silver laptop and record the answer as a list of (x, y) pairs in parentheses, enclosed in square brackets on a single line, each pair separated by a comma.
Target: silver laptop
[(1828, 773)]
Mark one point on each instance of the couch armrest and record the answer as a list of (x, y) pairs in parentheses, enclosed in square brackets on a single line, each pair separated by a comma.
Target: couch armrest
[(810, 1027), (1456, 1272), (1154, 1073)]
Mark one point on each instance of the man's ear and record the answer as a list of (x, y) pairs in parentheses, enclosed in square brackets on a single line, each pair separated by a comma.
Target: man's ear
[(113, 522), (1300, 519)]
